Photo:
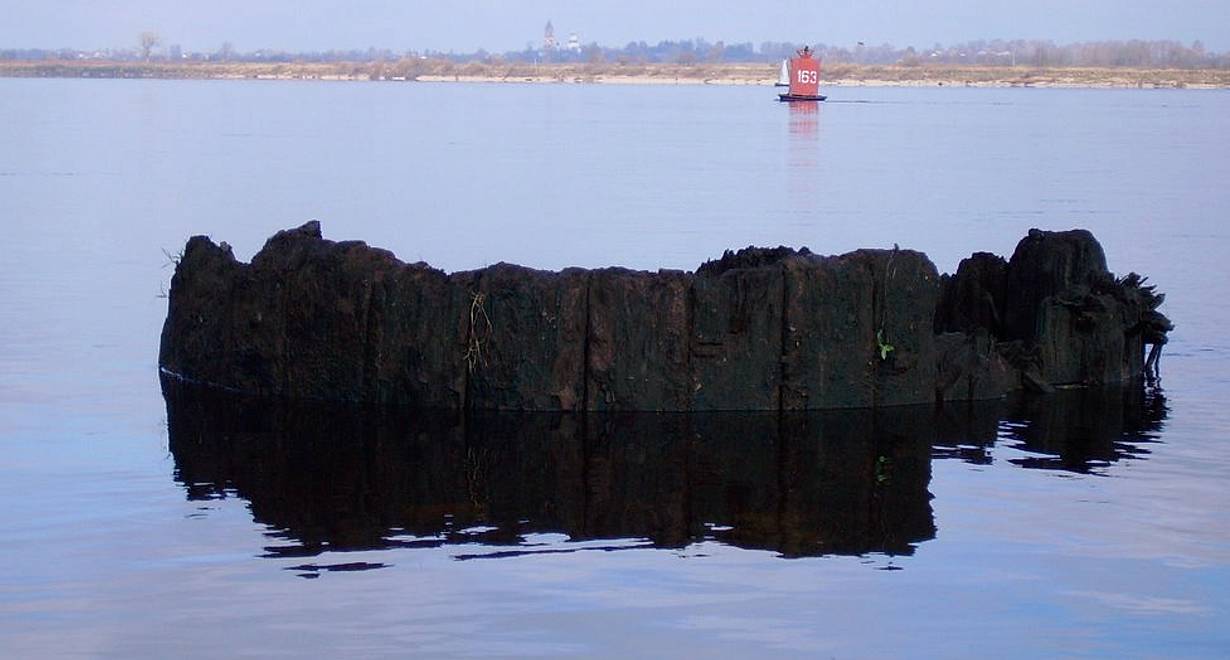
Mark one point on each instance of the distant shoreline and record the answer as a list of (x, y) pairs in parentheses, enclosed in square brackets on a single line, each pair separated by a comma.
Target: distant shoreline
[(836, 75)]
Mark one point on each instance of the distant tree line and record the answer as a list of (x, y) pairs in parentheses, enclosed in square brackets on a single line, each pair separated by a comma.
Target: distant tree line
[(997, 52)]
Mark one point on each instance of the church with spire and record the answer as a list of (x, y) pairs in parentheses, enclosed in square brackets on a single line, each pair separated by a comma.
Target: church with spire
[(548, 38)]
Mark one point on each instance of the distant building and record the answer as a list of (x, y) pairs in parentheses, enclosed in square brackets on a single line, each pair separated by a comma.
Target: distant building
[(548, 38), (175, 52), (574, 43)]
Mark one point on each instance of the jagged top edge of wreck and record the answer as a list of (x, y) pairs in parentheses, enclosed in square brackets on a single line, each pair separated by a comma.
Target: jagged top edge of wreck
[(748, 258)]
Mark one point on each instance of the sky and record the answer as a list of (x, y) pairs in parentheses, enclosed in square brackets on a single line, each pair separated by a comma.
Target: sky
[(467, 25)]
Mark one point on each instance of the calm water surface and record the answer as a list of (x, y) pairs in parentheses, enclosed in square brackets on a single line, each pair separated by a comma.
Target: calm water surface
[(197, 525)]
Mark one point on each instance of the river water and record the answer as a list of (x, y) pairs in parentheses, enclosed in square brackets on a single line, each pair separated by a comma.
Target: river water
[(134, 524)]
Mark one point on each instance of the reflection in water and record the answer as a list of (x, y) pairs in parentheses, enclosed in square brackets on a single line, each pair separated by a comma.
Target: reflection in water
[(804, 119), (1084, 431), (337, 478), (849, 482), (804, 155), (1081, 431)]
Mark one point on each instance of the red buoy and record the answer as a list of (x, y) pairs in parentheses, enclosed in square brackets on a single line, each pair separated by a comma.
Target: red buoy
[(804, 78)]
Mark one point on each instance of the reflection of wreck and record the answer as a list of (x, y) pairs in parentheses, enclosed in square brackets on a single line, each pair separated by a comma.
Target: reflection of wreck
[(336, 477), (761, 329), (1085, 430), (1081, 430)]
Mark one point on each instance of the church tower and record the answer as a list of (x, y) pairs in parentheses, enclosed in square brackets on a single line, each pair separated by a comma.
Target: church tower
[(548, 37)]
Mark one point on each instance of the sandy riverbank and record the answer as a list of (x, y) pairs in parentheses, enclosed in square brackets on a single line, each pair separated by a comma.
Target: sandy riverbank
[(627, 74)]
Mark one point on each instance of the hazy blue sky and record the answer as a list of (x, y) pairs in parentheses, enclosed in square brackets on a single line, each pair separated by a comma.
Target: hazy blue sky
[(465, 25)]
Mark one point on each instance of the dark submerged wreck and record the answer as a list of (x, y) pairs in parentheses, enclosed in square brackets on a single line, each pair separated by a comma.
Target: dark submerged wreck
[(758, 329)]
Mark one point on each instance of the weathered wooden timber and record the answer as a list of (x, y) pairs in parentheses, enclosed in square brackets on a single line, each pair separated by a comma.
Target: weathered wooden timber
[(758, 329)]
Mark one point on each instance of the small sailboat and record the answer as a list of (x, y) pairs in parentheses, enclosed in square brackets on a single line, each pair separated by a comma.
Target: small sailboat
[(804, 78), (783, 79)]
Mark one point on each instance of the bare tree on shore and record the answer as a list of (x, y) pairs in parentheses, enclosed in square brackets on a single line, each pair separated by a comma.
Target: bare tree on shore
[(148, 41)]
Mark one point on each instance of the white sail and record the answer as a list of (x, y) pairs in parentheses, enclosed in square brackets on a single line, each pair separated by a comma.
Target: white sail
[(783, 80)]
